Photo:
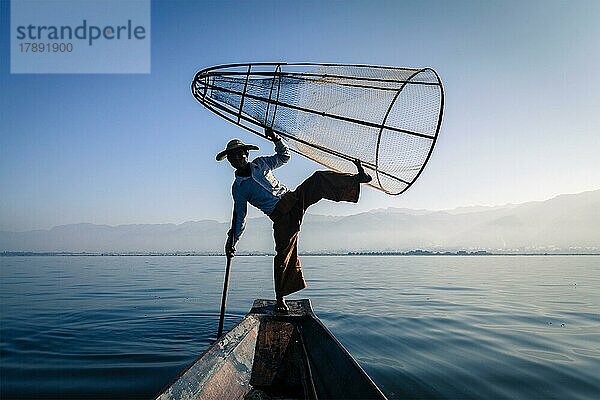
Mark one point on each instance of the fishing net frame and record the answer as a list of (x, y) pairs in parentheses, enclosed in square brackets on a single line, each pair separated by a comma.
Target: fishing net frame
[(387, 117)]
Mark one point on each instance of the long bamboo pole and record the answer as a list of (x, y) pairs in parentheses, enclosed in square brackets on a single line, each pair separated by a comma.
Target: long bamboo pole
[(224, 299)]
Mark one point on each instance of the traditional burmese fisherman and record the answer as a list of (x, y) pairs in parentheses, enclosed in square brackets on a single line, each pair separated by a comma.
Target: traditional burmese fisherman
[(255, 184)]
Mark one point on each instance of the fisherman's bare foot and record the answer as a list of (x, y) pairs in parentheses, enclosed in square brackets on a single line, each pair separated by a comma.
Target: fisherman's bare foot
[(361, 175), (280, 306)]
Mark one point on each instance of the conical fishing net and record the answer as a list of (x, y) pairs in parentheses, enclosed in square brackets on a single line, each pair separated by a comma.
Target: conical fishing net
[(387, 117)]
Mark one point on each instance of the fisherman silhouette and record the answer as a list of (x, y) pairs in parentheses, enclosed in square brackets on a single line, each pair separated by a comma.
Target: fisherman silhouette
[(255, 184)]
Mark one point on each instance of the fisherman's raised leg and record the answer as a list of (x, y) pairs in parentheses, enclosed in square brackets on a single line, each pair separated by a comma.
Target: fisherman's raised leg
[(331, 185), (361, 175), (288, 215)]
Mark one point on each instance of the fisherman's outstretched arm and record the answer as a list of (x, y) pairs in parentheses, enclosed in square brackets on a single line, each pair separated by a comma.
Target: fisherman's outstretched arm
[(282, 152), (238, 224)]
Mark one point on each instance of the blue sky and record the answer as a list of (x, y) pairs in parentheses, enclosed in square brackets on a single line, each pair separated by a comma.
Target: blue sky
[(521, 120)]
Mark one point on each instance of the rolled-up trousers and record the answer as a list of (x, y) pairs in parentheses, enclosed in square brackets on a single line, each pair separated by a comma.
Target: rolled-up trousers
[(287, 217)]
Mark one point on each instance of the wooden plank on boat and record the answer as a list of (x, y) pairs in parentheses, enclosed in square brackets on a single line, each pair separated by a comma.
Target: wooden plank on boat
[(271, 348)]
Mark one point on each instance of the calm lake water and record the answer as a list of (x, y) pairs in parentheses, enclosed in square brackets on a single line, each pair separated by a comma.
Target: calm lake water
[(422, 327)]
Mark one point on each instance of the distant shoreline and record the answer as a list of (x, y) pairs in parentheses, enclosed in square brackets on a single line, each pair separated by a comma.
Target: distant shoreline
[(412, 253)]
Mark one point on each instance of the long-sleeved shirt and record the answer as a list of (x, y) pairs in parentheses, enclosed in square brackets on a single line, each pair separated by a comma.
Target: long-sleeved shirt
[(261, 189)]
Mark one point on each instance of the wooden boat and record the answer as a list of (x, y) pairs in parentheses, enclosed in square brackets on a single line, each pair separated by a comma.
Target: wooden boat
[(275, 356)]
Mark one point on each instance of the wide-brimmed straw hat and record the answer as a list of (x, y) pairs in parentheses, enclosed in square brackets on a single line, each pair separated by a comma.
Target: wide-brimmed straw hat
[(235, 144)]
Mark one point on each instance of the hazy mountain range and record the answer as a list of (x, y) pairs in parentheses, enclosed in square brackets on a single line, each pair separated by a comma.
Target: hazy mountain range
[(566, 223)]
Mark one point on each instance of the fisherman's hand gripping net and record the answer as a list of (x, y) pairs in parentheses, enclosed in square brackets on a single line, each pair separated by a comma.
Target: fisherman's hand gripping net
[(387, 117)]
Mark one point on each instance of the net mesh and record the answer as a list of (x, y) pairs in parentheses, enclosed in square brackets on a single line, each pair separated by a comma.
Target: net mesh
[(388, 118)]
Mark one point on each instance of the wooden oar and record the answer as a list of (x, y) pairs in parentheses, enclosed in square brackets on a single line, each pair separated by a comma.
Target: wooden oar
[(224, 299)]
